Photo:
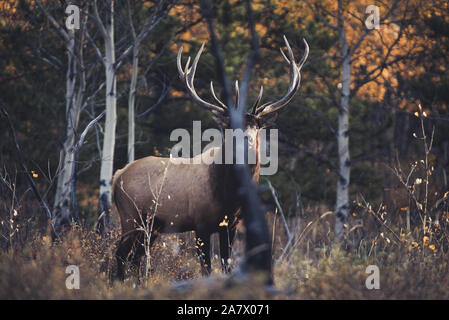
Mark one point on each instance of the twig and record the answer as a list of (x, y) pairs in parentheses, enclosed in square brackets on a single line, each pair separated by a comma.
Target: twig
[(278, 205)]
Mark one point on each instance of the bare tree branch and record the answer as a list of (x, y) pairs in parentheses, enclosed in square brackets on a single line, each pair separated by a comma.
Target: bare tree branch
[(75, 165), (216, 50), (99, 21), (255, 53), (50, 18)]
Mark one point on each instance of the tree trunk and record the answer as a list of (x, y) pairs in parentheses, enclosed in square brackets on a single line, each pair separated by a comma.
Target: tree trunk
[(61, 207), (107, 160), (131, 105), (344, 165)]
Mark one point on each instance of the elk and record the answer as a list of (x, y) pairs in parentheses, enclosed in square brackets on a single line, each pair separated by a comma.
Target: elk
[(193, 197)]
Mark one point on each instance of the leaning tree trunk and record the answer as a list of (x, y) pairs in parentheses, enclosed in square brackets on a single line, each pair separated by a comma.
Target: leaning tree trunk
[(107, 157), (257, 260), (61, 207), (344, 166)]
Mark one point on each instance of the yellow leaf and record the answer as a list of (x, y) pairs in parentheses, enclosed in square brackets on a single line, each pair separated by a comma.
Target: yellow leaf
[(223, 224)]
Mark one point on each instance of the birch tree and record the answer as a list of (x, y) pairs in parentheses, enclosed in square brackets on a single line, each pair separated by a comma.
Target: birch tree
[(107, 155), (75, 89), (344, 169)]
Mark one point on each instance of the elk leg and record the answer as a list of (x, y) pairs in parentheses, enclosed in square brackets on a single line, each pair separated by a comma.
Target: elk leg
[(137, 253), (227, 235), (122, 254), (203, 250), (139, 250), (129, 248)]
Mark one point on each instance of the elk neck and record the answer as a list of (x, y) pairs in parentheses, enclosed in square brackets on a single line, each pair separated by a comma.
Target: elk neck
[(254, 167)]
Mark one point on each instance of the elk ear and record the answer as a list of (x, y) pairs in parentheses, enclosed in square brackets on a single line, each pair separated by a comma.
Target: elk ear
[(221, 120), (267, 121)]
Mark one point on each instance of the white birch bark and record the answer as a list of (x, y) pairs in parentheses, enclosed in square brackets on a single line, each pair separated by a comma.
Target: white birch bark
[(344, 168), (62, 203), (107, 160), (75, 71)]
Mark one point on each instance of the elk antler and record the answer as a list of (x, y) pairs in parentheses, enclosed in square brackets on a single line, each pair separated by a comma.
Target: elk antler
[(188, 74), (295, 78)]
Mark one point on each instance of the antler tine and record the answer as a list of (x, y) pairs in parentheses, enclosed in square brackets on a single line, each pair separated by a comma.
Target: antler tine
[(259, 98), (178, 63), (188, 75), (237, 95), (215, 96), (303, 60), (191, 73), (187, 69), (182, 73), (284, 56), (291, 56), (305, 55), (293, 85), (295, 78)]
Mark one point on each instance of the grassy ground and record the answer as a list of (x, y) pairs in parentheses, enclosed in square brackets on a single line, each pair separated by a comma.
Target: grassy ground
[(413, 264)]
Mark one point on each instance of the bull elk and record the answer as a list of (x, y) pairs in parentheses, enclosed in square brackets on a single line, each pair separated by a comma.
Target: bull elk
[(192, 197)]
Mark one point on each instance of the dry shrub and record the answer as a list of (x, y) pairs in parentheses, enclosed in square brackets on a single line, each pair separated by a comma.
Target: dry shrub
[(316, 267)]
